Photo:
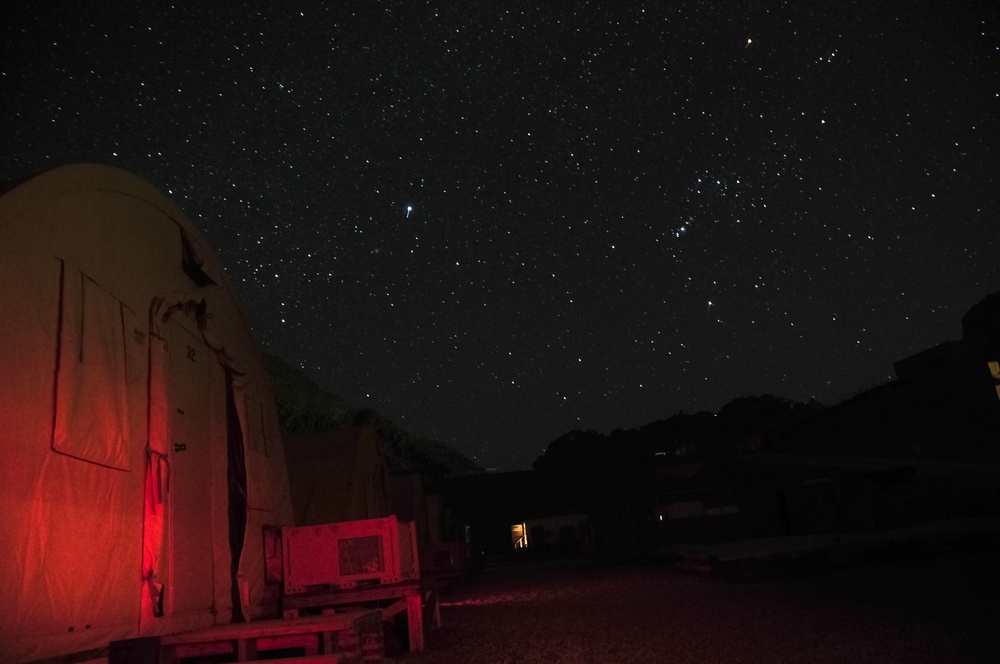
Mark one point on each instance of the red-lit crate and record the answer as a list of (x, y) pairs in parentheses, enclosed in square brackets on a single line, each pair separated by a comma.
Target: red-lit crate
[(343, 555)]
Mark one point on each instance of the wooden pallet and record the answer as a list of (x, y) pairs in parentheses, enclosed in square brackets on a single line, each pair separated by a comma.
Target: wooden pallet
[(351, 637), (410, 597)]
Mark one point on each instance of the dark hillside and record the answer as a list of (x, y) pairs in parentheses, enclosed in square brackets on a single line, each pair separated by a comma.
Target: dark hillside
[(304, 407)]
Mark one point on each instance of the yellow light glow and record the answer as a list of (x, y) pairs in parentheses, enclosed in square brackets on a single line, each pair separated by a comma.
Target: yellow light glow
[(519, 535)]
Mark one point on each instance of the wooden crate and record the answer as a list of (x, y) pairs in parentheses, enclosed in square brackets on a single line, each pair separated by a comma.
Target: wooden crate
[(351, 637), (346, 554)]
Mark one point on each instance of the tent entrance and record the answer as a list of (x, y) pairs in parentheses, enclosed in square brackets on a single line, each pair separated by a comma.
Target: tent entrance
[(190, 584), (236, 472)]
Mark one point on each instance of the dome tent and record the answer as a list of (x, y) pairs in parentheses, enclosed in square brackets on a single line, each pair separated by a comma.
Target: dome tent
[(142, 452)]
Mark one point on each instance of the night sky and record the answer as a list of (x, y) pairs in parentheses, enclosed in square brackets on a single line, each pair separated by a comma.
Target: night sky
[(495, 222)]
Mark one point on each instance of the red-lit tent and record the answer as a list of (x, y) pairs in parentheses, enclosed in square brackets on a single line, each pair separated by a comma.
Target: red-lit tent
[(141, 451)]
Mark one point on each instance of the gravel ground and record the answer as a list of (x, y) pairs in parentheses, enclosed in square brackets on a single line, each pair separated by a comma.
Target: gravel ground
[(941, 609)]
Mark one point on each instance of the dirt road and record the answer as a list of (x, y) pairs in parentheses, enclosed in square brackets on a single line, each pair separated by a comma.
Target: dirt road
[(935, 609)]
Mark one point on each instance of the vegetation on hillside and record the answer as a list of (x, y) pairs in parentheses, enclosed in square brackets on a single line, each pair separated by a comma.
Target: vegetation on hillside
[(943, 405), (303, 406), (743, 425)]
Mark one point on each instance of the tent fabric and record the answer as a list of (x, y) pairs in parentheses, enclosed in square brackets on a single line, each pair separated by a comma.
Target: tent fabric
[(119, 328), (92, 356), (339, 475)]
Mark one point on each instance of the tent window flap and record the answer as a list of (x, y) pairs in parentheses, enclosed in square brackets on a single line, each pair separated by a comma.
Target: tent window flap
[(91, 404)]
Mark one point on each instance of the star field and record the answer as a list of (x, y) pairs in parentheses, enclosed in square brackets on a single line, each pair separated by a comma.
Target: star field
[(497, 222)]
